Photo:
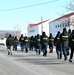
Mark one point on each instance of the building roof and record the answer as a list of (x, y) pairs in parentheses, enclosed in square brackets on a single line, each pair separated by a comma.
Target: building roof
[(31, 25), (64, 16)]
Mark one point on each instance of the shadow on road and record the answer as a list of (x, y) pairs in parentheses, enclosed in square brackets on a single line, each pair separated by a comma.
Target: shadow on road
[(40, 61)]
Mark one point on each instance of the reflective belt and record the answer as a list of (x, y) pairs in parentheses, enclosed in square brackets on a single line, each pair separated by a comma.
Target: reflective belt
[(64, 36), (15, 41), (73, 40), (31, 41), (26, 40), (51, 39), (38, 40), (45, 38), (22, 38), (58, 38)]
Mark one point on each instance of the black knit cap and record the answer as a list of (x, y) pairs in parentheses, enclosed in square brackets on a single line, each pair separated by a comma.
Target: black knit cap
[(64, 29), (72, 31)]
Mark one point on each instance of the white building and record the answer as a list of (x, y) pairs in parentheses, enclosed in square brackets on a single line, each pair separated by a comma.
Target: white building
[(34, 29), (66, 21)]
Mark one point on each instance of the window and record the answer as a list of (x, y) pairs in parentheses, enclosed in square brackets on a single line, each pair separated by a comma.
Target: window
[(68, 23), (60, 25), (63, 25), (56, 26)]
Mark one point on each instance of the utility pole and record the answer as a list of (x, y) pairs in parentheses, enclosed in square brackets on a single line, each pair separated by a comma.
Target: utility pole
[(17, 30), (41, 24)]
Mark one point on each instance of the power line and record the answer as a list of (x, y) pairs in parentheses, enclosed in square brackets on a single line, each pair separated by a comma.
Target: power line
[(29, 6)]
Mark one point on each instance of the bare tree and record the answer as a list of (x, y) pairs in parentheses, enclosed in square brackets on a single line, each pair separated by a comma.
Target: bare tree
[(70, 6), (6, 35)]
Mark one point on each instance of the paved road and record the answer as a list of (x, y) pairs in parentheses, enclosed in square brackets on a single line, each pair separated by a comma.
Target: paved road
[(21, 63)]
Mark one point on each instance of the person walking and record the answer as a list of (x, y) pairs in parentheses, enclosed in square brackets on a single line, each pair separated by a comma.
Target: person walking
[(44, 43), (51, 43), (58, 45), (69, 34), (9, 44), (31, 43), (15, 43), (21, 40), (38, 45), (26, 43), (71, 45), (64, 39)]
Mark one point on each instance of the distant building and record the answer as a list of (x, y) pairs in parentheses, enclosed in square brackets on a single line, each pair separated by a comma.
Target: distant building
[(4, 33), (34, 29), (66, 21)]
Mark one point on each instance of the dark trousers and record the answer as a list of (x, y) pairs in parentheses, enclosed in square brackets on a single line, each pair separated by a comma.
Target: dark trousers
[(31, 47), (26, 48), (51, 48), (44, 48), (22, 47), (38, 49), (59, 53), (72, 51), (65, 52), (15, 47)]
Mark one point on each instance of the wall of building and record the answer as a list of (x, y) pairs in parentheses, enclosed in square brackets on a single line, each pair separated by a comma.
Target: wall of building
[(32, 31), (72, 22), (46, 27), (58, 25)]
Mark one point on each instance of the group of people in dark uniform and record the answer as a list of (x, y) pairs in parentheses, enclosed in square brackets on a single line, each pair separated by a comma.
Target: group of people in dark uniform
[(63, 42)]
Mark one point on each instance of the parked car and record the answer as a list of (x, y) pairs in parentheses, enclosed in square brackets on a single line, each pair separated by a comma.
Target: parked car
[(3, 41)]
